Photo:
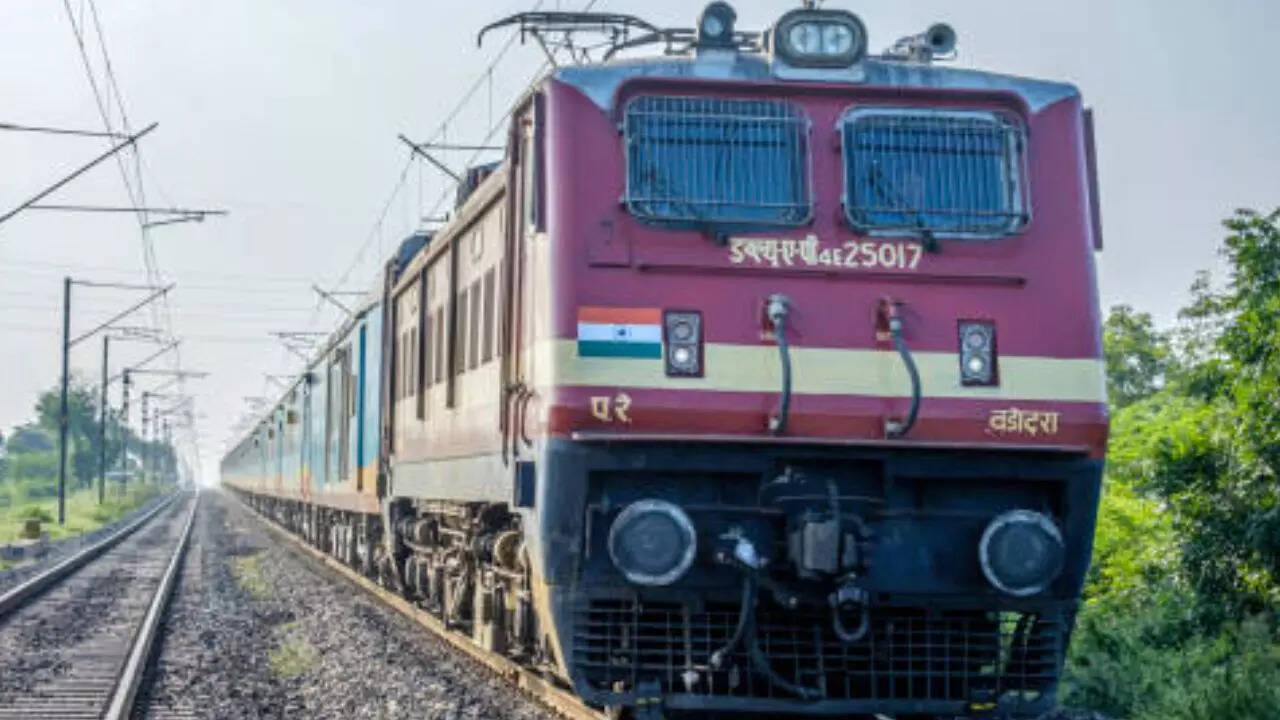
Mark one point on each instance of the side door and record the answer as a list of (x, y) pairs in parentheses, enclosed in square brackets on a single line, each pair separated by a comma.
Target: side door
[(525, 222)]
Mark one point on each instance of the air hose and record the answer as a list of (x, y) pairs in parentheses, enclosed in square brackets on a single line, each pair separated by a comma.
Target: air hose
[(893, 428), (746, 630), (777, 309), (744, 619), (761, 664)]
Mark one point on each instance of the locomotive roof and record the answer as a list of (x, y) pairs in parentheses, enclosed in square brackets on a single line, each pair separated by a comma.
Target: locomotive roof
[(601, 82)]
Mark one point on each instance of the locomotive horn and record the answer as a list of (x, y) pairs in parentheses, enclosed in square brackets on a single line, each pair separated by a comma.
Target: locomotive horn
[(940, 38)]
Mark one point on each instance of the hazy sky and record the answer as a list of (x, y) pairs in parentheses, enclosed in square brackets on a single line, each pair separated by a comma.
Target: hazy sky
[(285, 112)]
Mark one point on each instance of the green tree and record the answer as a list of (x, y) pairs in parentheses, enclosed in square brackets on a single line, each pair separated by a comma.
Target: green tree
[(1183, 599), (29, 438), (1214, 456), (82, 426), (36, 468), (1137, 355)]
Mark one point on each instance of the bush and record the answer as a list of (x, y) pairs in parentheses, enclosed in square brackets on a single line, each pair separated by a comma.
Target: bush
[(35, 512), (33, 466), (1150, 663)]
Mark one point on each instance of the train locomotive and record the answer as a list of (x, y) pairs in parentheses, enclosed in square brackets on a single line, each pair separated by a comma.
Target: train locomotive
[(762, 376)]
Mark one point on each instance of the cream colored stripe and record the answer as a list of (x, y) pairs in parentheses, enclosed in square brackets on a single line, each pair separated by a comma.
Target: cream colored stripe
[(880, 373)]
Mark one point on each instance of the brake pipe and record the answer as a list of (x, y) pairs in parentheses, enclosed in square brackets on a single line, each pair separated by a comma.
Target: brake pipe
[(761, 663), (777, 308), (893, 428), (744, 619)]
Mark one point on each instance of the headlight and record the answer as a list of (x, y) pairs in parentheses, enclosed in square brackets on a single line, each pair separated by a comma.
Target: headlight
[(652, 542), (683, 335), (820, 38), (1021, 552), (715, 26), (977, 352)]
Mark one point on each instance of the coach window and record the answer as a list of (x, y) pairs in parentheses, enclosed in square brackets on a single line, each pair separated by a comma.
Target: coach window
[(348, 396), (410, 375), (337, 428), (489, 306), (428, 348), (425, 289), (402, 388), (406, 373), (473, 353), (439, 362), (460, 338), (352, 385)]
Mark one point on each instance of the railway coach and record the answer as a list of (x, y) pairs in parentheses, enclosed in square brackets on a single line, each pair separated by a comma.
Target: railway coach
[(762, 376)]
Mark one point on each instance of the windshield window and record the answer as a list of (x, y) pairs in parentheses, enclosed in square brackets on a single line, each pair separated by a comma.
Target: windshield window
[(698, 160), (956, 173)]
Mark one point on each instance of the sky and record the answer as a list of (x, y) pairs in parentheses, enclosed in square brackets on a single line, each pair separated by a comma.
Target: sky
[(285, 113)]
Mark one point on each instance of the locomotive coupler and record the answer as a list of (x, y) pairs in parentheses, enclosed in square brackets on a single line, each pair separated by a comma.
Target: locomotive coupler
[(849, 596)]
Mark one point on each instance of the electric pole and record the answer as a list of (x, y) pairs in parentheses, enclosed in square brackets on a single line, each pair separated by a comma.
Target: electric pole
[(67, 343)]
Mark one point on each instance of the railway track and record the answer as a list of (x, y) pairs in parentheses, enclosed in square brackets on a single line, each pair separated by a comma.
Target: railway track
[(75, 640), (557, 699)]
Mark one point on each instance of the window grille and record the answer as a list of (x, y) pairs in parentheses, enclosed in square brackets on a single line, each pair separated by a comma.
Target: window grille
[(954, 173), (698, 160)]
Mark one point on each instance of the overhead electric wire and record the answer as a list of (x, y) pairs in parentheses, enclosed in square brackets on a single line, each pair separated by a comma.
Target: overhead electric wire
[(138, 199), (497, 125), (114, 150), (110, 209), (441, 134), (376, 230), (60, 131), (97, 94), (117, 286), (52, 268), (440, 131)]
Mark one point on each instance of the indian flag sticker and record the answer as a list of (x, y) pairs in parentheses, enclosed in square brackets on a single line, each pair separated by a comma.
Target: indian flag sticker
[(620, 332)]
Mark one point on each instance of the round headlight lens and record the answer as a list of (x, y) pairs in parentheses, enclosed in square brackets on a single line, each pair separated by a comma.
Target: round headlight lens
[(976, 365), (712, 26), (681, 331), (975, 339), (805, 38), (681, 356), (837, 40), (1021, 552), (652, 542)]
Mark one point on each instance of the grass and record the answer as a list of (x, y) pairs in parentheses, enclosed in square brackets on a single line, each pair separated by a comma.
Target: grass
[(293, 655), (84, 514), (248, 572)]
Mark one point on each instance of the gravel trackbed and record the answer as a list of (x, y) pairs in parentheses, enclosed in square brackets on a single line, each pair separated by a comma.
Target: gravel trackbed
[(257, 631)]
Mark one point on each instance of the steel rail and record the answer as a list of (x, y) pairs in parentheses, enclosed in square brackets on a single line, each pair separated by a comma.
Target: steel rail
[(18, 596), (557, 699), (121, 705)]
